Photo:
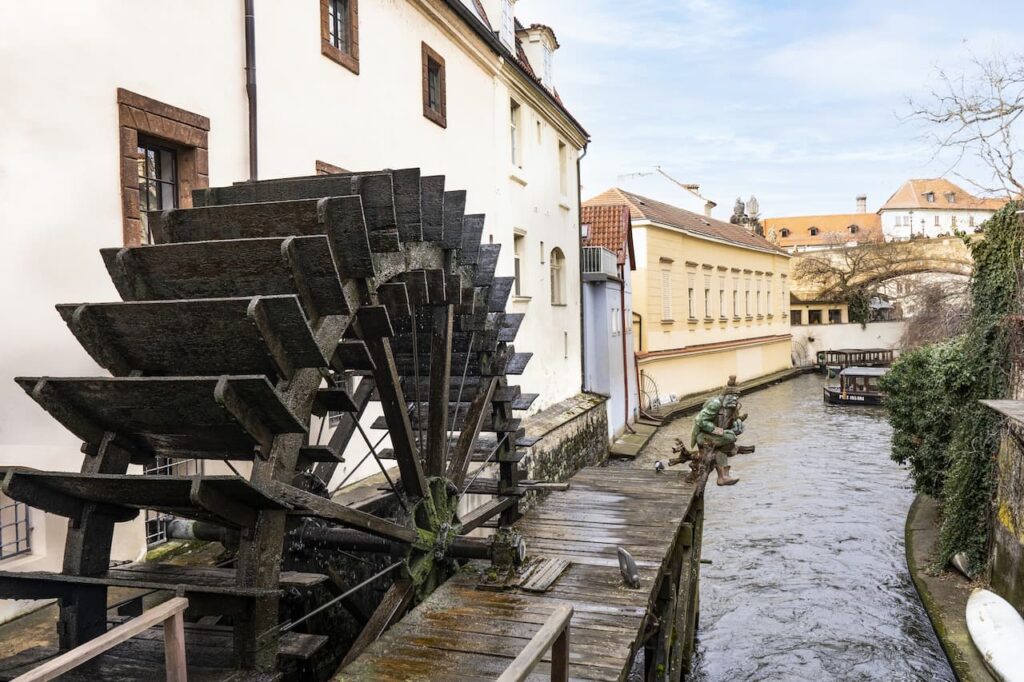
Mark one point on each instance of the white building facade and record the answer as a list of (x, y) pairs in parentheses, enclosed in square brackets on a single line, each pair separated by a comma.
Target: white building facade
[(115, 106), (934, 208)]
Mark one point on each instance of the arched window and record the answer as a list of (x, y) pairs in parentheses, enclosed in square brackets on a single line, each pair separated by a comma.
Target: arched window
[(784, 232), (814, 231), (853, 229), (557, 277)]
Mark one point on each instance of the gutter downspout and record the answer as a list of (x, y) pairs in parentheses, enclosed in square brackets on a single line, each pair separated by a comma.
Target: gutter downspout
[(625, 370), (250, 85), (579, 237)]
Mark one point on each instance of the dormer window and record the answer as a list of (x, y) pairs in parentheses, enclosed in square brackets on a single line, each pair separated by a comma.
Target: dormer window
[(951, 197), (929, 197), (784, 232), (548, 66), (813, 231), (507, 34), (853, 229)]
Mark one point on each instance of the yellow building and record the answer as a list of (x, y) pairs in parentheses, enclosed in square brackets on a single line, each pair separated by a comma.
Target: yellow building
[(710, 299)]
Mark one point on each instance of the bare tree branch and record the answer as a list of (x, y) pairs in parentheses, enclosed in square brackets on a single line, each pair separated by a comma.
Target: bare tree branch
[(980, 113)]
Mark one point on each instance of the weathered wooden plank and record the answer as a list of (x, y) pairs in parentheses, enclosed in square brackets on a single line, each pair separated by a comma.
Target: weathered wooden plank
[(472, 233), (454, 215), (407, 204), (308, 504), (486, 264), (281, 189), (263, 334), (230, 269), (432, 207), (510, 327), (147, 413), (121, 496), (501, 288), (474, 418)]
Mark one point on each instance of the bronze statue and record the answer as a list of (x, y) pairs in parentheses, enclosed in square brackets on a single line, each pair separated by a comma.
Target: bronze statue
[(715, 430)]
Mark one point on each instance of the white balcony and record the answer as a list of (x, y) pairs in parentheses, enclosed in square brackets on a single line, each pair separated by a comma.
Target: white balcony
[(598, 260)]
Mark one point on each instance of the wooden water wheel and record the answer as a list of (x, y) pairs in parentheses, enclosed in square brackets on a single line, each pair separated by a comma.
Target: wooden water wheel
[(263, 306)]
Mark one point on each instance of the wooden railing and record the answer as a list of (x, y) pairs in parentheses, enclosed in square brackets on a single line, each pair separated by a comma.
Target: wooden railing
[(554, 636), (170, 613)]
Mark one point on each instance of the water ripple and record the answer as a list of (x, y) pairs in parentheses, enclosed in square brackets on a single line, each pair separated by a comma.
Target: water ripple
[(809, 579)]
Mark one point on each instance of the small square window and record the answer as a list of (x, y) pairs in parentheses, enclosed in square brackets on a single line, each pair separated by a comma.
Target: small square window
[(435, 105)]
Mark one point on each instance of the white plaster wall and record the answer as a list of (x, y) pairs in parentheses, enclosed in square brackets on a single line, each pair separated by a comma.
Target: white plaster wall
[(809, 339), (60, 198), (893, 227)]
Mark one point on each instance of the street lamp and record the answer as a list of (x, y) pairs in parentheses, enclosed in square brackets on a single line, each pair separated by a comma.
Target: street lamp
[(911, 223)]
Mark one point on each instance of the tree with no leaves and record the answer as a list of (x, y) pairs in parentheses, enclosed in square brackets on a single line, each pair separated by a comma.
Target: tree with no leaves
[(979, 113)]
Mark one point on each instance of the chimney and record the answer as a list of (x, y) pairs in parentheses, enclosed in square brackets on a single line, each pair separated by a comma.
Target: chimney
[(862, 203), (708, 206)]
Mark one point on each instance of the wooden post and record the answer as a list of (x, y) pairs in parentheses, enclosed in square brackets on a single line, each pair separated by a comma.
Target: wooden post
[(560, 657), (174, 648), (554, 635)]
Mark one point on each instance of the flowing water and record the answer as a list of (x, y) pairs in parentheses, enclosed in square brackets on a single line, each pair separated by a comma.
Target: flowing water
[(808, 579)]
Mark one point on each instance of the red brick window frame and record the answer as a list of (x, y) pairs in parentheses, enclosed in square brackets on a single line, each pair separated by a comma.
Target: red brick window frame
[(341, 49), (183, 131), (435, 95)]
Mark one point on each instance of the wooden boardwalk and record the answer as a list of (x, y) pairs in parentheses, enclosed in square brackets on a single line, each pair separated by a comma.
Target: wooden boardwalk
[(462, 632)]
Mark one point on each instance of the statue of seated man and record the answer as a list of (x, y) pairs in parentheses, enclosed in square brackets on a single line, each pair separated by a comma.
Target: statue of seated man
[(716, 428)]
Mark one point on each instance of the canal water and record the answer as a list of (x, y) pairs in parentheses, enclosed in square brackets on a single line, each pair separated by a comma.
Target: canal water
[(808, 579)]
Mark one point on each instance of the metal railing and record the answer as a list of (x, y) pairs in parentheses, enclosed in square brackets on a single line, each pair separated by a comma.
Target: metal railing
[(156, 522), (597, 259), (553, 635), (15, 528)]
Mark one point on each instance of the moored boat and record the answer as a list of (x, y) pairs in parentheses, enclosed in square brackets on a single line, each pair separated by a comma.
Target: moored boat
[(857, 386)]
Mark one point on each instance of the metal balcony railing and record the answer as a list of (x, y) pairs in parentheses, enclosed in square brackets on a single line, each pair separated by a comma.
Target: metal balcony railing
[(597, 259)]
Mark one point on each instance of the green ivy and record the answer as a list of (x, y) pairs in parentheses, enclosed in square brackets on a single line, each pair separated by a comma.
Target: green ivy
[(947, 438)]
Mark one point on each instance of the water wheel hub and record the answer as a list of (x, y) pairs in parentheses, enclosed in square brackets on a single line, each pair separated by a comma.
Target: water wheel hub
[(437, 524)]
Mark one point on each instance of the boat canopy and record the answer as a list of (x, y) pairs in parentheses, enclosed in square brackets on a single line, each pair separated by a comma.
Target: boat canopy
[(864, 371)]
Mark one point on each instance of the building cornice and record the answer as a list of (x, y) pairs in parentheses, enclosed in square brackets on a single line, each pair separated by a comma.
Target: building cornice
[(646, 222), (717, 347)]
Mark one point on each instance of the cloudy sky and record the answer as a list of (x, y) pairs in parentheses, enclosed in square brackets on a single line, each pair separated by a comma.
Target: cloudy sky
[(802, 103)]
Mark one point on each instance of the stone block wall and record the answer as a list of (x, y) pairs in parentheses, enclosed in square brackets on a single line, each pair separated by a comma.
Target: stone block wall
[(573, 434), (1006, 558)]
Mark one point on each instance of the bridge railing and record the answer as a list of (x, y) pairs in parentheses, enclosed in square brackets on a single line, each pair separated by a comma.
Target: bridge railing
[(554, 635)]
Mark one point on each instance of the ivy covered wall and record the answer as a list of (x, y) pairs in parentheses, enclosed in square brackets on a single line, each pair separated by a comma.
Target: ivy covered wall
[(948, 439)]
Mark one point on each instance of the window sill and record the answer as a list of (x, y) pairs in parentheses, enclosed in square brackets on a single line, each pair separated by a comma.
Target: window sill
[(749, 318), (770, 316), (516, 174), (692, 320), (723, 319), (668, 321), (564, 203), (350, 62), (760, 317), (709, 320), (736, 318), (522, 299), (435, 117), (559, 305)]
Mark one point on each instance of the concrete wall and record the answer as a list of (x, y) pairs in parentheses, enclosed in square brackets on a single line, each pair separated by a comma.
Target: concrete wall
[(809, 339)]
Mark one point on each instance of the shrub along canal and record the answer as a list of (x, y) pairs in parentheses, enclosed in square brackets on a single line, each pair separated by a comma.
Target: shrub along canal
[(808, 579)]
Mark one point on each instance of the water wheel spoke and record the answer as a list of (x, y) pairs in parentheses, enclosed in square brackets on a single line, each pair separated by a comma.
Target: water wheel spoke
[(442, 317), (475, 414), (391, 608)]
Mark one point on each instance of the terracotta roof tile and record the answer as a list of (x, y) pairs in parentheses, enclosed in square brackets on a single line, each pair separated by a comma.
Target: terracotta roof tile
[(913, 194), (610, 228), (831, 228), (642, 208)]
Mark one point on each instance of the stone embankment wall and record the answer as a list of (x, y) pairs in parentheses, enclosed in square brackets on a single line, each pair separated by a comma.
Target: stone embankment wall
[(573, 434), (1006, 558), (809, 339)]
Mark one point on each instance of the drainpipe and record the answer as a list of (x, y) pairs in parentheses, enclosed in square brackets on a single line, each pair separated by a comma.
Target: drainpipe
[(625, 354), (579, 236), (250, 84)]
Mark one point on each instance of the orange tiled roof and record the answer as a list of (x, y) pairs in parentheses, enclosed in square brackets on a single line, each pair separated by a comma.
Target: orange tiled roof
[(610, 227), (642, 208), (832, 229), (914, 194)]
